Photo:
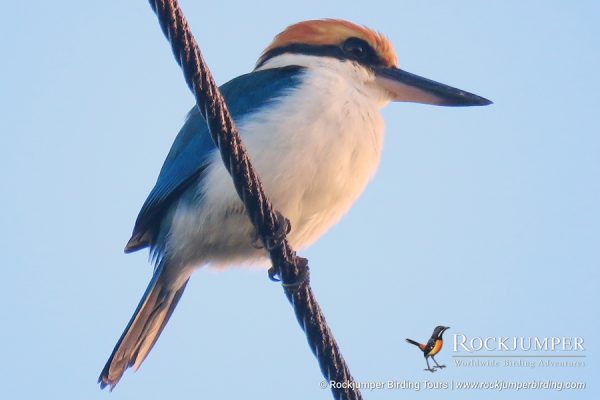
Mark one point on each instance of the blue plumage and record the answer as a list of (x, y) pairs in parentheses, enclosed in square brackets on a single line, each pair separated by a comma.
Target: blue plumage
[(193, 147)]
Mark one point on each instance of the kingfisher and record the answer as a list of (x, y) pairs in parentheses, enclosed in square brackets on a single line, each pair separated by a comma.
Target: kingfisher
[(432, 347), (309, 116)]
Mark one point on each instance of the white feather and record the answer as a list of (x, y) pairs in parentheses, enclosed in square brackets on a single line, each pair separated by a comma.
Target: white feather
[(315, 149)]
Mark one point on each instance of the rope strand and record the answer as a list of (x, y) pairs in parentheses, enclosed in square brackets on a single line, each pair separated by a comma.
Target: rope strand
[(292, 270)]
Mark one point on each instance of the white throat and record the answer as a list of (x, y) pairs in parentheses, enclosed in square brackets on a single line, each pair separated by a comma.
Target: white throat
[(356, 76)]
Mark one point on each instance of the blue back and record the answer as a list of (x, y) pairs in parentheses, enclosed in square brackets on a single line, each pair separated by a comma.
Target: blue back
[(193, 147)]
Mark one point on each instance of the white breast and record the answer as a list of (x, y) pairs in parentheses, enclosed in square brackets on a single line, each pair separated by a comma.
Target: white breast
[(314, 150)]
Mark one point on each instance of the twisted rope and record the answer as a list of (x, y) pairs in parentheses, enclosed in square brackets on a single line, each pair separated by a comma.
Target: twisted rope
[(271, 226)]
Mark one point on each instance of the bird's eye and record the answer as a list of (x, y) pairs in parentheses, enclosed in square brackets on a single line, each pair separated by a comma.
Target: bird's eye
[(356, 48)]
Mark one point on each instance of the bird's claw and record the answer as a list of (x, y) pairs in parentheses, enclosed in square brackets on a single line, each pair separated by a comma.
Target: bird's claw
[(273, 274), (439, 366), (429, 369), (303, 276), (282, 228)]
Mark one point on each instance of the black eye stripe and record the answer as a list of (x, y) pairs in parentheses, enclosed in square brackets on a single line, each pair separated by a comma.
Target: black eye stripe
[(341, 52)]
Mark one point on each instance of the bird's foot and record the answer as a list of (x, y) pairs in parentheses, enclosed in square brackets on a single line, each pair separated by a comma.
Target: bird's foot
[(429, 369), (302, 277), (440, 366), (273, 274), (282, 228)]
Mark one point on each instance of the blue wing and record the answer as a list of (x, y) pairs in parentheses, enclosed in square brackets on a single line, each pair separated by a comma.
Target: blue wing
[(193, 146)]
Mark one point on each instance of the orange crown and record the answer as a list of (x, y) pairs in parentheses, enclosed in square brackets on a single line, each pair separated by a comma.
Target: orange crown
[(332, 32)]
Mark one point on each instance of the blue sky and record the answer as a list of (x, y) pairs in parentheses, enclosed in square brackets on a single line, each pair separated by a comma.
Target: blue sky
[(483, 219)]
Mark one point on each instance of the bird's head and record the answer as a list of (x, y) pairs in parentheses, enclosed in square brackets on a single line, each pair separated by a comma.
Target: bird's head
[(369, 58), (439, 331)]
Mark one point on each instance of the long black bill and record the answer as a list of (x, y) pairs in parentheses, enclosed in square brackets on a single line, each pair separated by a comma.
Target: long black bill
[(408, 87)]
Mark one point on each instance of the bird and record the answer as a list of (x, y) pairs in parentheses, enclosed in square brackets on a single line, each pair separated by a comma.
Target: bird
[(433, 346), (309, 114)]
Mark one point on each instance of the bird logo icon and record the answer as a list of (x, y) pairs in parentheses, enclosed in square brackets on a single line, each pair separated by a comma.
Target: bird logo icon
[(432, 347)]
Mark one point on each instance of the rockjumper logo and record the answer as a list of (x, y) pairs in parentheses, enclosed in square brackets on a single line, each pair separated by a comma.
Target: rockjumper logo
[(433, 346), (517, 343)]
